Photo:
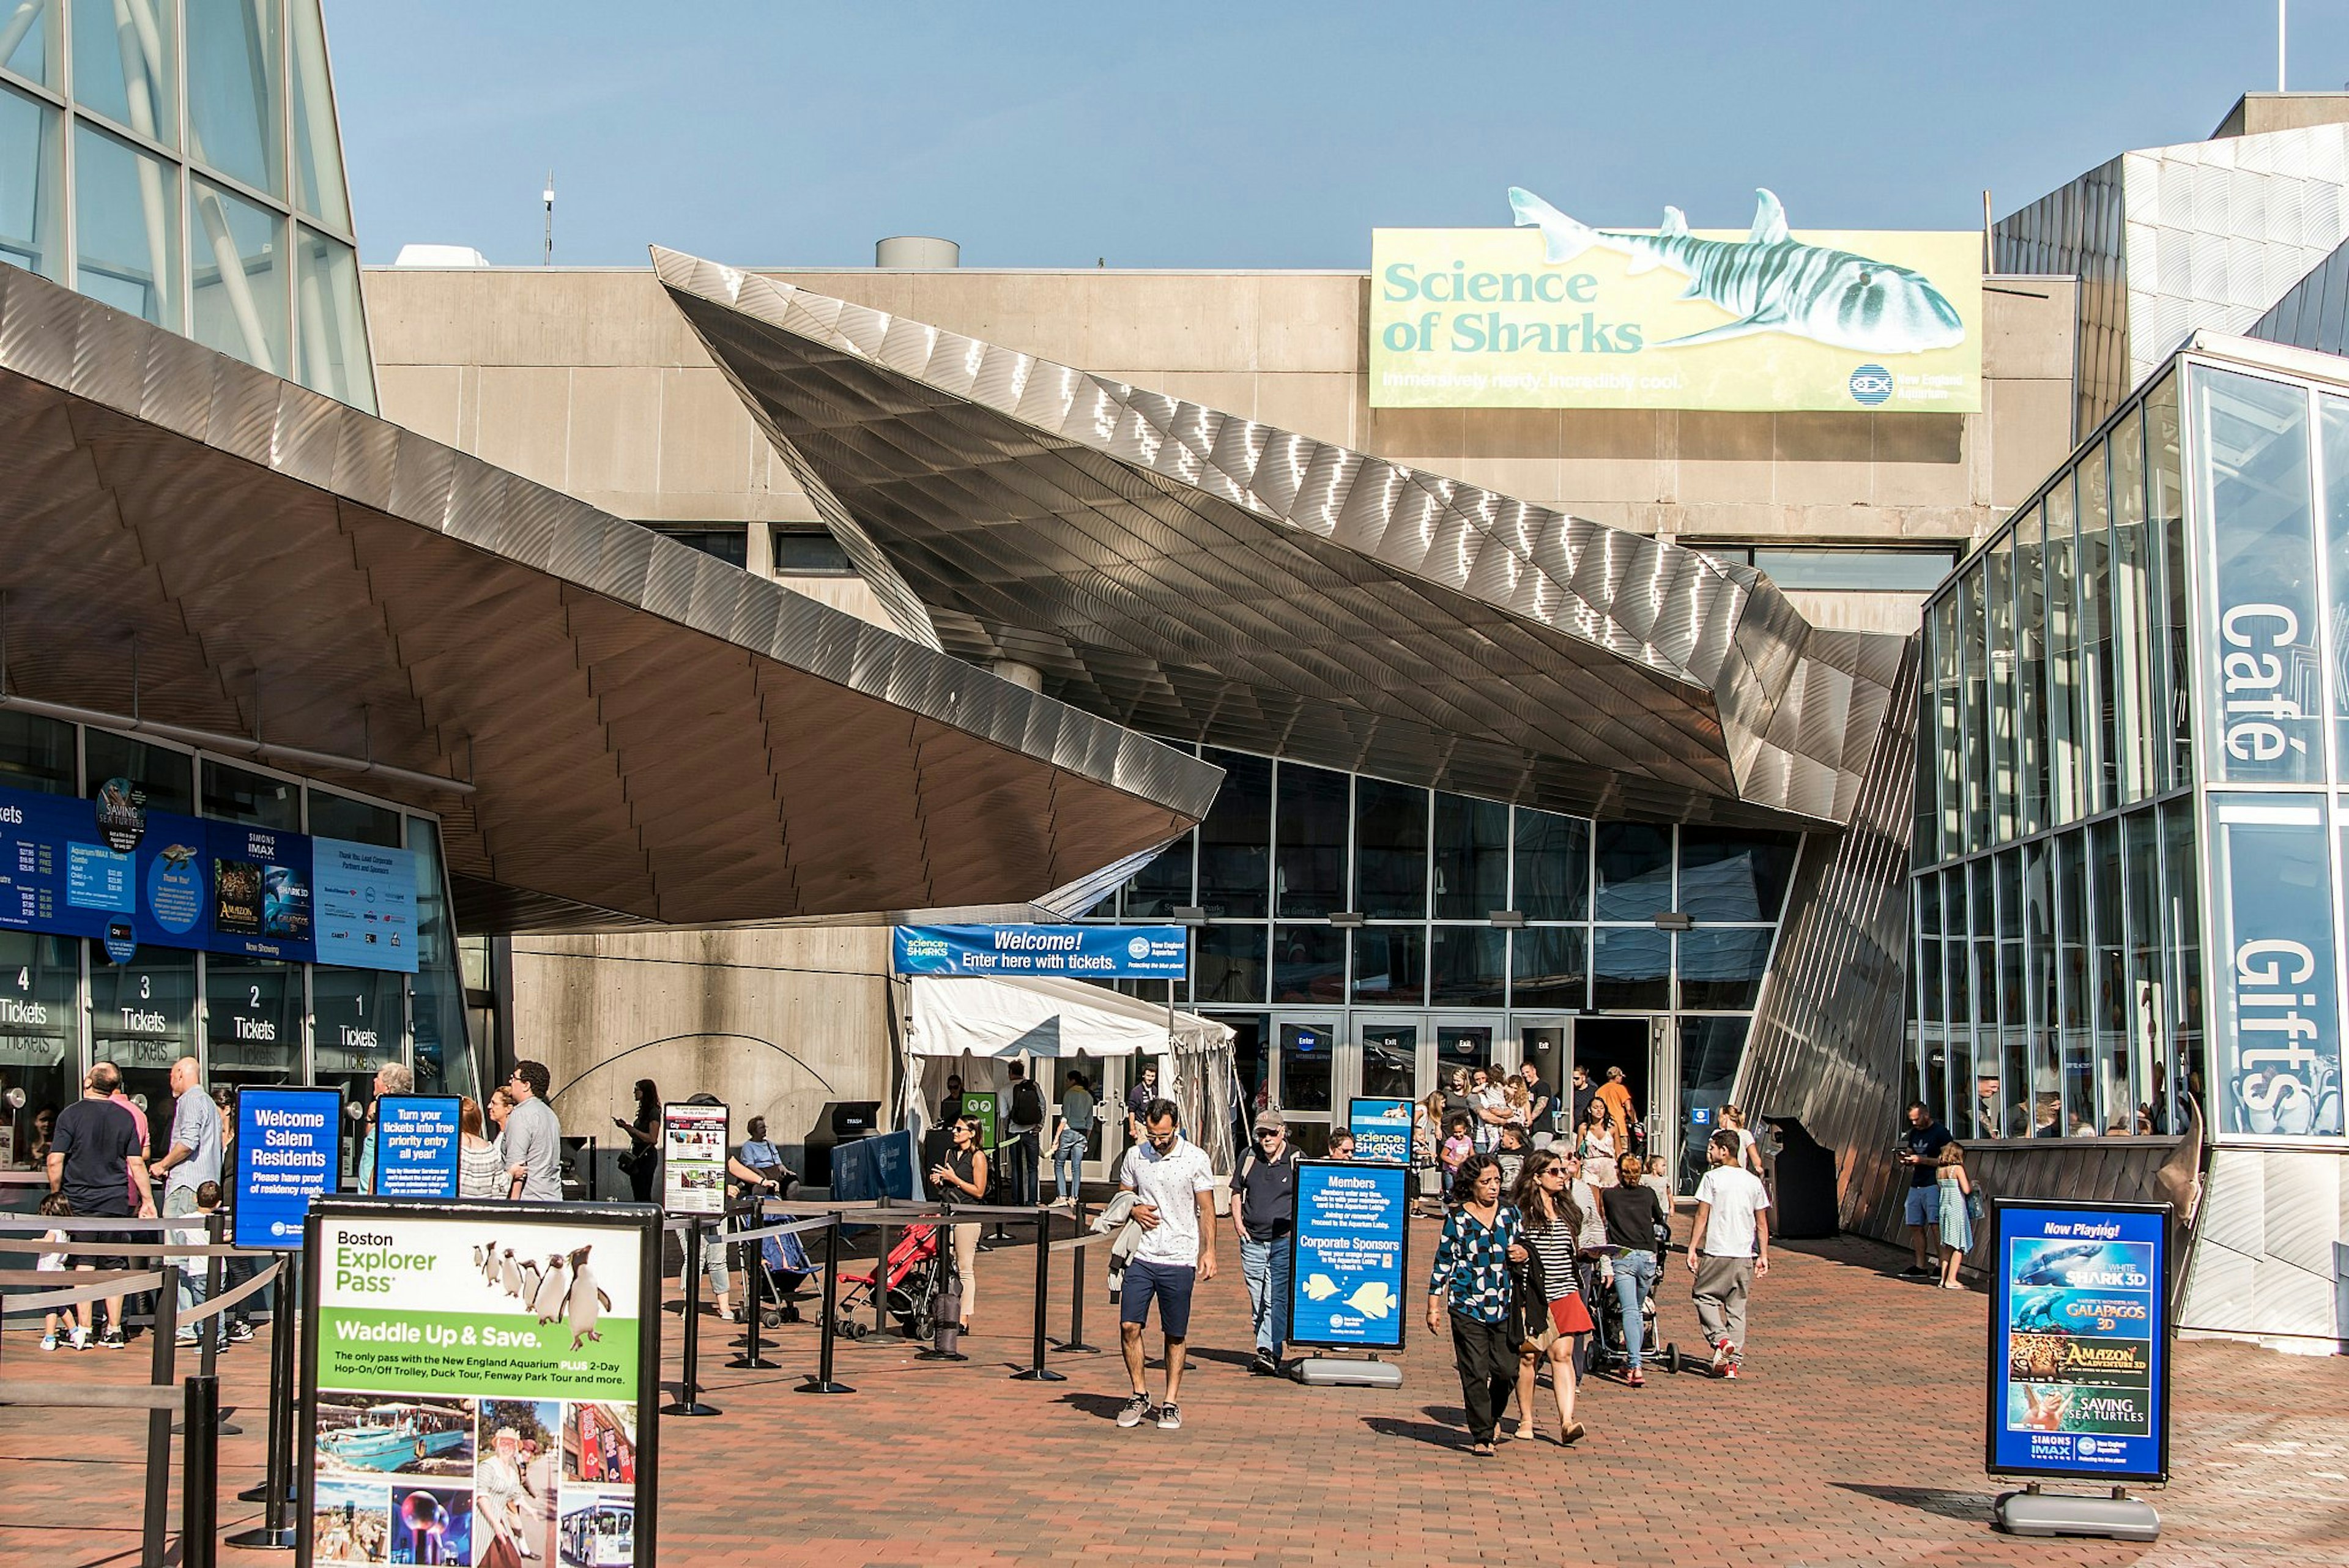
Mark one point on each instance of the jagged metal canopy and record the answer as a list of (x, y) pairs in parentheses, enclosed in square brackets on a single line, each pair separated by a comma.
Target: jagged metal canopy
[(650, 734), (1204, 576)]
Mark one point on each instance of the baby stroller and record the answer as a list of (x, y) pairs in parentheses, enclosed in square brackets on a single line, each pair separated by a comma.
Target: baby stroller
[(1610, 1346), (910, 1280), (784, 1271)]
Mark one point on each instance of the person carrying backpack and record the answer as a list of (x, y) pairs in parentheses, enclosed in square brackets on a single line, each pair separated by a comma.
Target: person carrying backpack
[(1025, 1124)]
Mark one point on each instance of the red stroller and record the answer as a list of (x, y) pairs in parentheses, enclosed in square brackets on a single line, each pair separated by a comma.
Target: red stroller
[(911, 1275)]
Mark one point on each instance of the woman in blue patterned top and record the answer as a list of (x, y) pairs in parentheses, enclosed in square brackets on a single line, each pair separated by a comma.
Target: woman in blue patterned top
[(1482, 1237)]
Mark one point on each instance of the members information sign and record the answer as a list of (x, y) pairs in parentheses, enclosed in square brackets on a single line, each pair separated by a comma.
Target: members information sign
[(1080, 952), (694, 1141), (2079, 1375), (1346, 1281), (474, 1384), (288, 1152), (1382, 1129), (417, 1143)]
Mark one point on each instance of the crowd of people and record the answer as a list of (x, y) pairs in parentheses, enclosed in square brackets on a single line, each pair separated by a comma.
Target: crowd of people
[(101, 1162)]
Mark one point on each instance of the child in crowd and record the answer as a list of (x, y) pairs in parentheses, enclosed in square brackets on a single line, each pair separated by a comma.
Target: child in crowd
[(1457, 1147), (1957, 1221), (194, 1232), (1511, 1154), (55, 1207)]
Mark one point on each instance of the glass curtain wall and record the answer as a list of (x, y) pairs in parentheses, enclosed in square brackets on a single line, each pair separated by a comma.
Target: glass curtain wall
[(2180, 698), (1327, 891), (180, 163), (66, 1002)]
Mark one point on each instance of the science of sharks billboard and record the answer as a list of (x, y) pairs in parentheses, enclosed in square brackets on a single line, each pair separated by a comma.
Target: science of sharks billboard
[(1555, 313)]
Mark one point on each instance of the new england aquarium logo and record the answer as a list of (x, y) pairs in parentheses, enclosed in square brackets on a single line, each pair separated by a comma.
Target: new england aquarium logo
[(1139, 947), (2090, 1448), (1870, 385)]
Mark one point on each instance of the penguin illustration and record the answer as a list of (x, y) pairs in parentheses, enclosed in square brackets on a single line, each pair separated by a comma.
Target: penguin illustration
[(487, 1257), (586, 1300), (552, 1291), (529, 1282), (511, 1273)]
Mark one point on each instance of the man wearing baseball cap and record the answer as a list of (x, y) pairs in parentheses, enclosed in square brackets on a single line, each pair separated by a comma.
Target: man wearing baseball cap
[(1264, 1208)]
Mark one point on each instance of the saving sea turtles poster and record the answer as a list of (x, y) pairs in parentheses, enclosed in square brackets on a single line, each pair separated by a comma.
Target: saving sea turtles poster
[(1559, 313), (476, 1382)]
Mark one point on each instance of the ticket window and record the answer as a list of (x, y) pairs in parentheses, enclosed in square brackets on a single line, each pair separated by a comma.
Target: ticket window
[(40, 1065), (142, 1018), (359, 1022), (252, 1021)]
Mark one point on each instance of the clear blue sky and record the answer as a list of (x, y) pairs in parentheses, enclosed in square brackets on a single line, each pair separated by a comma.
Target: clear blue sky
[(1267, 134)]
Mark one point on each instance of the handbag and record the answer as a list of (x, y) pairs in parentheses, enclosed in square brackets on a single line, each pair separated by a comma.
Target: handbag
[(1977, 1209), (1528, 1317)]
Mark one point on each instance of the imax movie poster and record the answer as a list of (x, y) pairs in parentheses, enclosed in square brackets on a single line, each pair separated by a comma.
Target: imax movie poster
[(478, 1383), (2078, 1378)]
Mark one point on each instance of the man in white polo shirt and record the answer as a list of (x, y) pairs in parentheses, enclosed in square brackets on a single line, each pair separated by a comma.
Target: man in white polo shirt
[(1173, 1204)]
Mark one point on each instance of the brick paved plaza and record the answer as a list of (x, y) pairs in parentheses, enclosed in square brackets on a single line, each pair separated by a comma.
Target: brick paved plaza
[(1855, 1439)]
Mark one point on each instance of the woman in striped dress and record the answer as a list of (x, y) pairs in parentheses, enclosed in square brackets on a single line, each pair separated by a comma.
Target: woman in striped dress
[(1555, 1226)]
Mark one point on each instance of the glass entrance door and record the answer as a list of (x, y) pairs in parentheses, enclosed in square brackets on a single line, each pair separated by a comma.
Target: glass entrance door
[(1389, 1059), (1305, 1080), (1543, 1041)]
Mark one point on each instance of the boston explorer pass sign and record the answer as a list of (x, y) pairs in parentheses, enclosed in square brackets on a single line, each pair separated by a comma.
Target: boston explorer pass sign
[(476, 1382), (1347, 1268), (1083, 952), (2079, 1330), (1559, 314)]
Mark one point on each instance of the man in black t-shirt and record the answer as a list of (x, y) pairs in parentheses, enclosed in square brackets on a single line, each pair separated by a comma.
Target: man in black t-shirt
[(1924, 1138), (1541, 1121), (1585, 1091), (95, 1160), (1264, 1211)]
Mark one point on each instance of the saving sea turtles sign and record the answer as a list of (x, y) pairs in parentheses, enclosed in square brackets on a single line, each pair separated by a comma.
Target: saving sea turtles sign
[(1559, 314), (473, 1380)]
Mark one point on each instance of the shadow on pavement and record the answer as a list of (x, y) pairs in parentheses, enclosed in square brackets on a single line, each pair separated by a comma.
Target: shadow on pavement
[(1944, 1501), (1426, 1432), (1104, 1406)]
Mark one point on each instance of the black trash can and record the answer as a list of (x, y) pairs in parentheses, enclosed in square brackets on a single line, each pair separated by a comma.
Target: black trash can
[(1805, 1205)]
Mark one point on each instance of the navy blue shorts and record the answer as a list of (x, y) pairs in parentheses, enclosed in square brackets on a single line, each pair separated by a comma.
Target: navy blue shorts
[(1171, 1284)]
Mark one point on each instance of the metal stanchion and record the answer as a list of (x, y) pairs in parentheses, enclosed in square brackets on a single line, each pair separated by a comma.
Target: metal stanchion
[(1075, 1343), (688, 1393), (1036, 1371), (199, 1484), (276, 1531), (752, 1277), (165, 1330), (822, 1382)]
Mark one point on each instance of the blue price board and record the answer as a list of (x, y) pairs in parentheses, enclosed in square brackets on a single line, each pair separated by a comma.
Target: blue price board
[(115, 872), (288, 1151), (2079, 1341), (1083, 952), (1382, 1129), (416, 1144), (1347, 1258)]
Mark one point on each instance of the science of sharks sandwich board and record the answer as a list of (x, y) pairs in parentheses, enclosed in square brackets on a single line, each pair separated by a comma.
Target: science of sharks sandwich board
[(476, 1379), (1559, 313)]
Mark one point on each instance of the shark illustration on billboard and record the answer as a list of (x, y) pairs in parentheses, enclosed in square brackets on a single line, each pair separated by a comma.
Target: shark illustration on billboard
[(1769, 281)]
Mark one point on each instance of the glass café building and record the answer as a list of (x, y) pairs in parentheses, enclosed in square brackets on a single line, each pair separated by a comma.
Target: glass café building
[(2132, 814)]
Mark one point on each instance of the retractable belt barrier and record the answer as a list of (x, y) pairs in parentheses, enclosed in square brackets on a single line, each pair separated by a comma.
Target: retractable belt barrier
[(198, 1401)]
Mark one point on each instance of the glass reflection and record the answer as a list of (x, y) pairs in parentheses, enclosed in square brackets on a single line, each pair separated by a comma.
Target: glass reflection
[(1553, 866), (1549, 966), (1391, 964), (40, 1038), (1310, 860), (1235, 841), (1390, 850), (1720, 968), (317, 151), (1469, 966), (235, 75), (126, 250), (334, 338), (1634, 862), (1227, 964), (123, 66), (238, 277), (2280, 1073), (1309, 964), (168, 777), (28, 41), (36, 755), (1472, 858), (1734, 873), (1631, 970), (32, 186)]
